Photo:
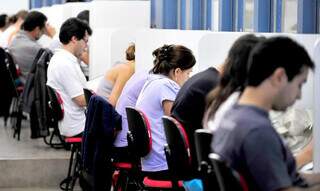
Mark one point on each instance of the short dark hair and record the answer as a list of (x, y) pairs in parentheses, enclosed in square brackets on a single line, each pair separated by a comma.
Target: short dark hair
[(73, 27), (34, 19), (84, 15), (274, 53), (170, 57), (3, 20)]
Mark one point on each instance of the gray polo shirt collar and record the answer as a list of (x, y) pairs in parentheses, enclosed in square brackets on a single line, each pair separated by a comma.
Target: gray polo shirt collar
[(25, 34)]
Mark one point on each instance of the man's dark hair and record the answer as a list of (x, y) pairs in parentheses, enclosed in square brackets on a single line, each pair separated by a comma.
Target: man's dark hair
[(73, 27), (34, 19), (84, 15), (273, 53), (3, 20)]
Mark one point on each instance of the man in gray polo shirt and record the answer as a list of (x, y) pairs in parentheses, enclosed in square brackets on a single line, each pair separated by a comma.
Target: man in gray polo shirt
[(24, 46), (246, 139)]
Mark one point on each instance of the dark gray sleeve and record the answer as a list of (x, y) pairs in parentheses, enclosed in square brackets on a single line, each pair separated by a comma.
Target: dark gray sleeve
[(265, 160)]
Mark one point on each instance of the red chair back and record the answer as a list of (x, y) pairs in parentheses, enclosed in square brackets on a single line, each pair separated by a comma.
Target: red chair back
[(55, 104), (178, 149), (139, 135), (228, 178)]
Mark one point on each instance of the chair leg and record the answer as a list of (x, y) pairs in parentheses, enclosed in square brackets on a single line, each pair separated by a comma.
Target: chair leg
[(70, 167), (122, 182), (57, 145), (77, 167)]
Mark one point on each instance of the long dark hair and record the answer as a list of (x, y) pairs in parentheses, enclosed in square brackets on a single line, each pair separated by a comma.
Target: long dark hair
[(234, 73), (170, 57)]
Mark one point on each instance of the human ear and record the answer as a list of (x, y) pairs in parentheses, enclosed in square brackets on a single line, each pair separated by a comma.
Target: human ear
[(177, 71), (279, 76), (74, 39)]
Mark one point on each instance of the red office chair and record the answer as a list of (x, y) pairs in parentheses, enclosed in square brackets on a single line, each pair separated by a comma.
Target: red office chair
[(177, 151), (16, 89), (140, 144), (74, 168), (56, 114), (127, 175), (87, 94), (228, 178), (203, 139)]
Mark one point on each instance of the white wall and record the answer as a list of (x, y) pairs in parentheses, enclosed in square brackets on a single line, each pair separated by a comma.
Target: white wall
[(149, 40), (58, 13), (114, 24), (107, 47), (109, 14), (13, 6), (316, 130)]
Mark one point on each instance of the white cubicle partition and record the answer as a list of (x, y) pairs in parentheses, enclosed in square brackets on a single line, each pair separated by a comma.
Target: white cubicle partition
[(214, 48), (59, 13), (114, 24), (65, 11), (107, 47), (316, 130), (112, 14), (149, 40)]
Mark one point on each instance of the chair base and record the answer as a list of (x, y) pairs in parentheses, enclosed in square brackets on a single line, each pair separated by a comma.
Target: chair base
[(74, 170)]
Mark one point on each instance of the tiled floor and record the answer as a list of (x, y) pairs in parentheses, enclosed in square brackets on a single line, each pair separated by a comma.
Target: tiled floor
[(20, 159), (11, 148)]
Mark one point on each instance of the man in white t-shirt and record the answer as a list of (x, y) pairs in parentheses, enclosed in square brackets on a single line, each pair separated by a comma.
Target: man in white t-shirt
[(66, 77)]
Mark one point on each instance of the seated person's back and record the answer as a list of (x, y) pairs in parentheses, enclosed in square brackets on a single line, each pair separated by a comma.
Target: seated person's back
[(24, 46), (172, 66), (65, 76), (245, 132), (128, 98), (111, 85), (189, 106)]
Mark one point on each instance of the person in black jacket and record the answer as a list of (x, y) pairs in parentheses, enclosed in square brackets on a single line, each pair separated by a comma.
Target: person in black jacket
[(189, 106), (97, 142)]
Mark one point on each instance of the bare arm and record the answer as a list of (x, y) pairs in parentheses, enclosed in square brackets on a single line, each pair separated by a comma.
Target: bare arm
[(80, 101), (49, 30), (312, 179), (167, 105), (312, 188), (121, 80), (305, 155)]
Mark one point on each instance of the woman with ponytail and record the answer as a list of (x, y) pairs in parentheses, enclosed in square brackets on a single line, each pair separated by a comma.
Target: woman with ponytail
[(172, 66)]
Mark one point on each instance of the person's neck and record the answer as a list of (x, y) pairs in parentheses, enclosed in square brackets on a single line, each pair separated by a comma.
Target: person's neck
[(256, 96), (69, 48), (219, 68), (131, 63), (30, 34)]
